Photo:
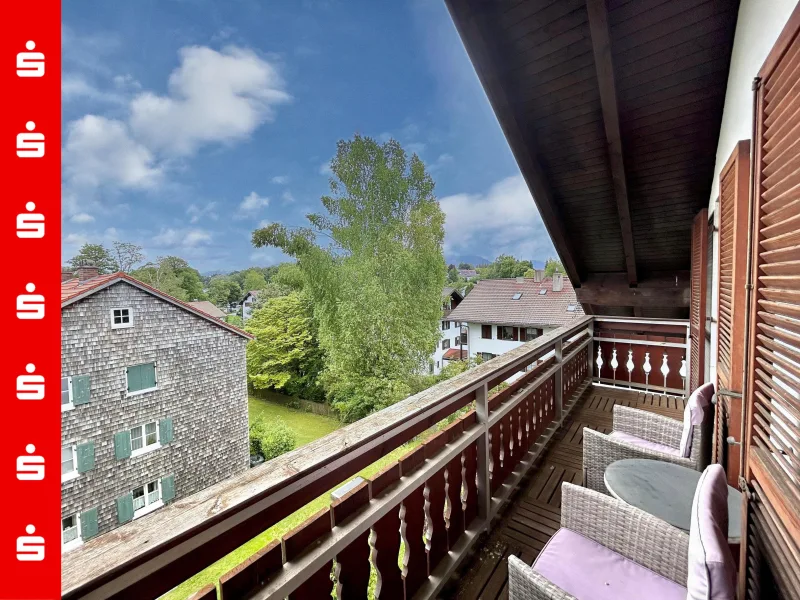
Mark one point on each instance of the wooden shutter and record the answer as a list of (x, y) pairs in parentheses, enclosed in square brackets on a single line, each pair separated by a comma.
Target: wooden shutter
[(167, 488), (85, 453), (771, 553), (122, 444), (88, 523), (81, 389), (697, 308), (734, 190), (125, 508), (165, 431)]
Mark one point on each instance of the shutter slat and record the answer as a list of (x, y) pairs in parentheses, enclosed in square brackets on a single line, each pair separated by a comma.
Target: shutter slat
[(122, 445), (89, 526), (85, 454), (167, 488), (125, 508)]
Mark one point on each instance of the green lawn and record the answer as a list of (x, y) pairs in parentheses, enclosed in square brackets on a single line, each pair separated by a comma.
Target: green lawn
[(307, 427)]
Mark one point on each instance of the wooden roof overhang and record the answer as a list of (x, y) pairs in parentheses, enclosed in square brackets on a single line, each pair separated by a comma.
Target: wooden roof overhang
[(612, 109)]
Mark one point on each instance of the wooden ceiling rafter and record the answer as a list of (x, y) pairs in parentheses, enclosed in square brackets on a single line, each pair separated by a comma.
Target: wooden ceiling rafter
[(601, 44)]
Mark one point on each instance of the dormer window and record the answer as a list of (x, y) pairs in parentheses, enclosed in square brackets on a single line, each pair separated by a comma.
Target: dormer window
[(121, 318), (542, 292)]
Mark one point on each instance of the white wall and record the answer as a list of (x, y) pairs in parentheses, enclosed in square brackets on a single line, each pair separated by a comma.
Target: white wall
[(477, 344), (452, 334), (758, 26)]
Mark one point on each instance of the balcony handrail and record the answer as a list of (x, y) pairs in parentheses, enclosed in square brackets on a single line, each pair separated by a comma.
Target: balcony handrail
[(179, 540)]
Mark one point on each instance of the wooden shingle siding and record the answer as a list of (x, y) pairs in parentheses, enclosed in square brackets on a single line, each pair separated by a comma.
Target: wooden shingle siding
[(200, 403), (771, 554)]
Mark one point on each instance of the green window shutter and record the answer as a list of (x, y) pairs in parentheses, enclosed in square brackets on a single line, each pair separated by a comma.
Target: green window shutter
[(125, 508), (141, 377), (89, 523), (167, 488), (165, 431), (81, 386), (122, 444), (148, 375), (85, 454), (134, 378)]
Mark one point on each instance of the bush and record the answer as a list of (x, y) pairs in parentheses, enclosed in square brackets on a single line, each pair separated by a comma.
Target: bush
[(234, 320), (271, 438)]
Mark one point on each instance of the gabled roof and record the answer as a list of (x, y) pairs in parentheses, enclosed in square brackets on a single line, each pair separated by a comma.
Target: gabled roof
[(468, 272), (253, 293), (449, 291), (74, 290), (491, 301), (209, 308)]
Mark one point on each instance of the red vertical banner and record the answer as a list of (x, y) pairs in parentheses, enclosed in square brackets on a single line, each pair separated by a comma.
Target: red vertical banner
[(30, 233)]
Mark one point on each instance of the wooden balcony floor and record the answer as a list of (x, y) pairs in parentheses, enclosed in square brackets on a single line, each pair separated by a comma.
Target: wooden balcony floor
[(533, 514)]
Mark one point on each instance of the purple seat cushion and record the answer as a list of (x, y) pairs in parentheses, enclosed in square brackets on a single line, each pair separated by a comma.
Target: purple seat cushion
[(712, 571), (590, 571), (642, 443), (693, 415)]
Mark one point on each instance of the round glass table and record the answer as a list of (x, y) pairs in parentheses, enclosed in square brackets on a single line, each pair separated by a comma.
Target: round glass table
[(666, 491)]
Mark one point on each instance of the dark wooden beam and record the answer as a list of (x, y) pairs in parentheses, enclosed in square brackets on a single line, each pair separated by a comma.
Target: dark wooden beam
[(601, 44), (612, 289), (477, 42)]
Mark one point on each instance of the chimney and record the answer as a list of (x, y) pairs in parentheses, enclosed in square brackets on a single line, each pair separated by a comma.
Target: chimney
[(520, 280), (538, 275), (558, 281), (66, 274), (85, 272)]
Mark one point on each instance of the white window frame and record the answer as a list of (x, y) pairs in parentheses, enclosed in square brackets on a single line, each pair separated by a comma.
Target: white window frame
[(145, 447), (74, 473), (148, 505), (69, 405), (72, 544), (122, 325)]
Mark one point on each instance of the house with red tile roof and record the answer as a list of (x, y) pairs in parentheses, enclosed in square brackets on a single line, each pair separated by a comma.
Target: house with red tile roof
[(501, 314), (153, 401)]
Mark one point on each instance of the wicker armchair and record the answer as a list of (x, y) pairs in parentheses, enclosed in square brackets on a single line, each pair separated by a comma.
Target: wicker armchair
[(600, 450), (638, 536)]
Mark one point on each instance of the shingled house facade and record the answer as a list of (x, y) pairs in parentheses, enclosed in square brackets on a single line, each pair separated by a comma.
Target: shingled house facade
[(501, 314), (153, 402)]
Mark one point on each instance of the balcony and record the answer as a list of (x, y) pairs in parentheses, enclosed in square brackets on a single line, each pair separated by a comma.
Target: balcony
[(486, 483)]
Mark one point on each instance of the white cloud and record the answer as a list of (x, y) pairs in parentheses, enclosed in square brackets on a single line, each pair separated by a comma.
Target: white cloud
[(82, 218), (214, 97), (126, 82), (76, 239), (504, 219), (325, 168), (183, 238), (443, 160), (287, 197), (100, 151), (195, 212), (280, 179), (251, 204), (415, 148)]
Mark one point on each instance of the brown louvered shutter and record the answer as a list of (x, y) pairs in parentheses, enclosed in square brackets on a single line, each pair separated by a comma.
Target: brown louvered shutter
[(734, 190), (771, 555), (697, 309)]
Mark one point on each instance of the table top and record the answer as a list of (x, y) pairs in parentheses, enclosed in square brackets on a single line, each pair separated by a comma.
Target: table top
[(666, 491)]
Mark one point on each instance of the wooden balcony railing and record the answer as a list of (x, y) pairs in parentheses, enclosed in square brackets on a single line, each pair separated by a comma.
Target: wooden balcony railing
[(647, 354), (426, 510)]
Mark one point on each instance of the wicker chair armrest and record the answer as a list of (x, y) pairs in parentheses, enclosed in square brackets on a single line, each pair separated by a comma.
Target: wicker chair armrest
[(526, 584), (600, 450), (643, 538), (648, 426)]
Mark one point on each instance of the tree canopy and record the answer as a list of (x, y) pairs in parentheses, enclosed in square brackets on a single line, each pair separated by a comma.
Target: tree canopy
[(505, 266), (223, 289), (172, 275), (374, 270), (95, 255), (552, 265), (285, 354)]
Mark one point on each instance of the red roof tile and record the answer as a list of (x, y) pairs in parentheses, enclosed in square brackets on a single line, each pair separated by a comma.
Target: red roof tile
[(452, 354), (73, 290)]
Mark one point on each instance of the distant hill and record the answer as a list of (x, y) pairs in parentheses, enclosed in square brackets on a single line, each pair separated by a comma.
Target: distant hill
[(472, 259)]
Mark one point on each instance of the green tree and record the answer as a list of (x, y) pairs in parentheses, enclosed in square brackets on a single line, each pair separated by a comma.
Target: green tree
[(551, 266), (464, 265), (223, 290), (530, 273), (127, 255), (285, 354), (95, 255), (505, 266), (253, 280), (234, 320), (162, 276), (289, 275), (271, 438), (269, 291), (376, 278), (453, 276)]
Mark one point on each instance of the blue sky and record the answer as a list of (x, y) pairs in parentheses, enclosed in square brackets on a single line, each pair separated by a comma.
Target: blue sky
[(187, 123)]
